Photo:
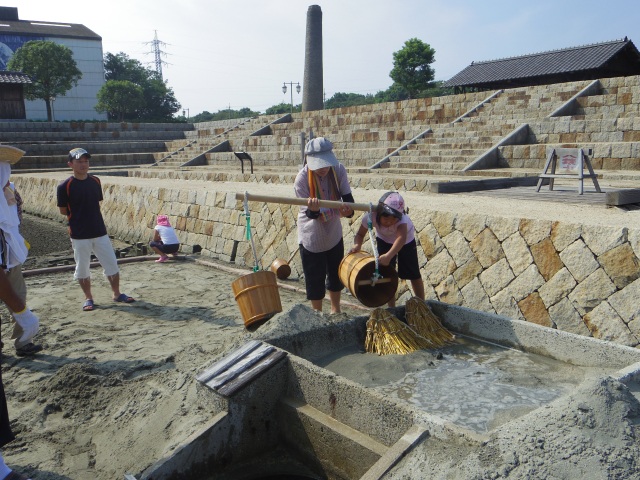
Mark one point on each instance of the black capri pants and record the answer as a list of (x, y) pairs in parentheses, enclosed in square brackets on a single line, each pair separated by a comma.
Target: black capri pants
[(321, 270)]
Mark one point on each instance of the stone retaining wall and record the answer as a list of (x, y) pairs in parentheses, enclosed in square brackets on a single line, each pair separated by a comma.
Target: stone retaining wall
[(577, 278)]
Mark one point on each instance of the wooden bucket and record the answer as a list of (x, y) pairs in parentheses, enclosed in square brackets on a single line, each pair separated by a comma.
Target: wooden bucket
[(281, 268), (257, 296), (356, 270)]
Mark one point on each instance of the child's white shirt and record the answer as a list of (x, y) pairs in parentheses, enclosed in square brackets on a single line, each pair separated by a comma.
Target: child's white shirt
[(389, 234), (167, 235)]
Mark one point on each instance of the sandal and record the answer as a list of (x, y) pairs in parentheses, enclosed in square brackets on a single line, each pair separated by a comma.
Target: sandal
[(88, 306), (123, 298)]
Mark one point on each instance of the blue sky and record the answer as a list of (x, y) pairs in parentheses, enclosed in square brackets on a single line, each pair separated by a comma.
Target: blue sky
[(238, 53)]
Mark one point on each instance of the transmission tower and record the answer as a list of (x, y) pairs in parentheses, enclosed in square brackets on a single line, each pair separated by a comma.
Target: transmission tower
[(158, 53)]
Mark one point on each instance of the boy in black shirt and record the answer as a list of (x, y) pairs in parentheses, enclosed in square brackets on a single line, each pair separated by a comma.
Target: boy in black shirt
[(79, 199)]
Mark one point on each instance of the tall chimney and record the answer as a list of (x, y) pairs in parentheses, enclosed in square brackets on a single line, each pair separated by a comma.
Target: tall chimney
[(313, 90)]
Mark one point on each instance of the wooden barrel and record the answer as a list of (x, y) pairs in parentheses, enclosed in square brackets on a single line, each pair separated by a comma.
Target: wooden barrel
[(281, 268), (257, 296), (356, 271)]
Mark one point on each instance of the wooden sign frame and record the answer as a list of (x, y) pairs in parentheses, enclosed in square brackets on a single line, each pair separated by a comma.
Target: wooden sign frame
[(563, 162)]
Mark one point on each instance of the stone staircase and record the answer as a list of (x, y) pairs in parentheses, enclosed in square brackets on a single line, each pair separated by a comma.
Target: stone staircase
[(451, 148), (412, 140), (213, 146), (607, 123), (111, 144)]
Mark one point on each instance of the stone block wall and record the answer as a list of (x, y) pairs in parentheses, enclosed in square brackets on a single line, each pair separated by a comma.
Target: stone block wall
[(571, 276)]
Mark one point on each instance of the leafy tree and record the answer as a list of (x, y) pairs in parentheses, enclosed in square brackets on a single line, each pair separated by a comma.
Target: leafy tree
[(412, 66), (340, 99), (51, 67), (121, 99), (226, 114), (282, 108), (159, 103), (394, 93)]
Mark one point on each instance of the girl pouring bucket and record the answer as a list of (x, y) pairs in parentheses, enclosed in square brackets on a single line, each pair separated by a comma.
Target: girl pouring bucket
[(395, 240)]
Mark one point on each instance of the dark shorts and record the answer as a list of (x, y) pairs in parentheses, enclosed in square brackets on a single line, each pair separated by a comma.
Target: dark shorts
[(407, 259), (321, 271), (172, 248)]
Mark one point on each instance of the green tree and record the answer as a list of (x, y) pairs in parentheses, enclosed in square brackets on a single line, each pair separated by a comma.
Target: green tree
[(120, 99), (282, 108), (226, 114), (159, 104), (340, 99), (51, 67), (412, 66)]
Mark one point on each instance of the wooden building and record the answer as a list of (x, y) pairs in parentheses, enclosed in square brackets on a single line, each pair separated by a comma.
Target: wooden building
[(616, 58), (12, 95)]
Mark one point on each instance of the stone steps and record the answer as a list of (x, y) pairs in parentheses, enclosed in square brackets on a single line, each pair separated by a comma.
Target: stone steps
[(112, 147), (40, 137)]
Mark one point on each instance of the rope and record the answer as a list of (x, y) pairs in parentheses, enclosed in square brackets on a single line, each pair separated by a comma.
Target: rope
[(376, 274), (249, 237)]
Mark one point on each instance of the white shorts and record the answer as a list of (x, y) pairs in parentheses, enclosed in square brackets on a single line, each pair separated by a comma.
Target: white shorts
[(103, 250)]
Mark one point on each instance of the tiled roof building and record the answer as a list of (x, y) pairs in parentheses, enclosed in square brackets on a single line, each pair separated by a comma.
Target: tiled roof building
[(79, 102), (600, 60)]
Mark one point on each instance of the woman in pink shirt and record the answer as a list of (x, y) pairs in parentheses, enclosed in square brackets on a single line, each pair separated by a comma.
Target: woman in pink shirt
[(323, 177)]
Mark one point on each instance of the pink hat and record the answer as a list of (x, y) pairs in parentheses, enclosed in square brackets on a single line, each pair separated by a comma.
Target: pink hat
[(390, 204), (395, 201), (163, 220)]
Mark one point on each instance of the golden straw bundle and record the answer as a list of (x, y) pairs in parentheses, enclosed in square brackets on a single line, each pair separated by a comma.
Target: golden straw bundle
[(387, 335), (425, 323)]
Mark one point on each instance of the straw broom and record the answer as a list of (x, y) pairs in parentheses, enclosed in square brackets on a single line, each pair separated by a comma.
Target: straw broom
[(387, 335), (425, 323)]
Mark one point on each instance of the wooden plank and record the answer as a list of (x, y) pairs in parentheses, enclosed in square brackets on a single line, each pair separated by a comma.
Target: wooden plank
[(567, 175), (240, 366), (227, 361), (251, 197), (237, 368), (396, 452), (248, 375)]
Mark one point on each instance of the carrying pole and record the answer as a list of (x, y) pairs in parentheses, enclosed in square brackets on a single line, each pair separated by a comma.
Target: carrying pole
[(364, 207)]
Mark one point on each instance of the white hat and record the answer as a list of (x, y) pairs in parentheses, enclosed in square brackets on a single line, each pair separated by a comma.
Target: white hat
[(10, 155), (319, 153)]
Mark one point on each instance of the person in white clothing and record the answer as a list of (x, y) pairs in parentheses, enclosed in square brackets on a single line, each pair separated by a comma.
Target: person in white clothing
[(13, 253), (165, 241)]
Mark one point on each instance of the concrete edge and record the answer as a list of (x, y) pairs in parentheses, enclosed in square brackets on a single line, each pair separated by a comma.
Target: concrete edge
[(489, 159), (486, 184), (568, 107), (557, 344)]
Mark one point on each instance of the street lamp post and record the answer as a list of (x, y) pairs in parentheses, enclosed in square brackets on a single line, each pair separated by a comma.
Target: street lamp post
[(53, 115), (186, 110), (284, 90)]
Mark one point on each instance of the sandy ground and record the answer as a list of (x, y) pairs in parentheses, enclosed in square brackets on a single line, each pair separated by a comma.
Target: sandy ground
[(114, 389)]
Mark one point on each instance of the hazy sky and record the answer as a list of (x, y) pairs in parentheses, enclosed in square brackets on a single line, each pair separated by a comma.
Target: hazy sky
[(238, 53)]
